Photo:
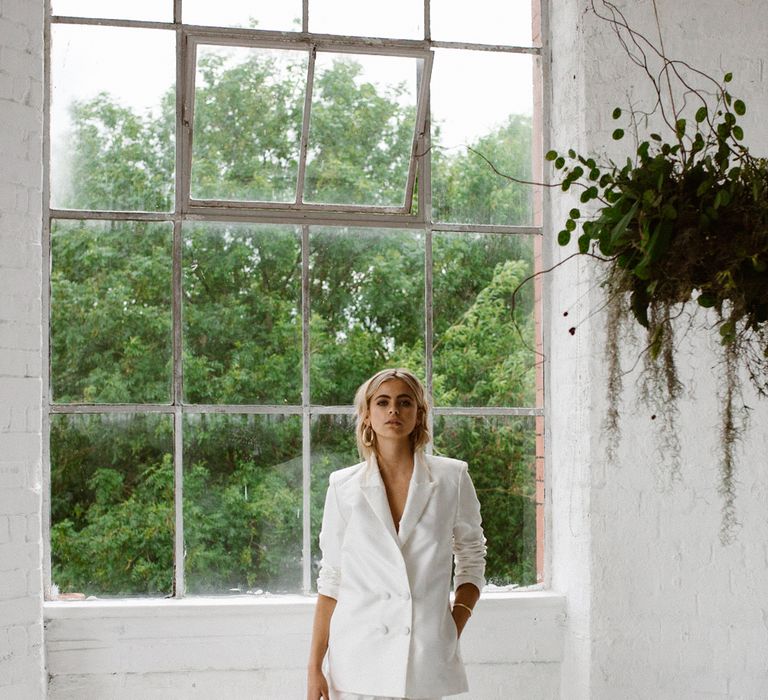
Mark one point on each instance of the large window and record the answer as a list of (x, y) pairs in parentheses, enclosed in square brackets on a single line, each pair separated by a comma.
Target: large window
[(251, 207)]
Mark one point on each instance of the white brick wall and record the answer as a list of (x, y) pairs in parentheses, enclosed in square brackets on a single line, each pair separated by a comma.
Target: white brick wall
[(657, 607), (22, 672)]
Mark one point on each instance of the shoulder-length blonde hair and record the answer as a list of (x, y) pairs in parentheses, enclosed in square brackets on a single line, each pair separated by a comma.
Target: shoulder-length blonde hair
[(419, 437)]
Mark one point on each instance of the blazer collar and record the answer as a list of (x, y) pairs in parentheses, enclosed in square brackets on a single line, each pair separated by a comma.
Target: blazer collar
[(419, 491)]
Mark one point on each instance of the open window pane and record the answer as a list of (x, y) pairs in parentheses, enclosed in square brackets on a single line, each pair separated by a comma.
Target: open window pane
[(361, 129), (113, 119), (278, 16), (367, 307), (399, 19), (248, 112), (333, 447), (111, 311), (501, 453), (112, 512), (484, 349), (149, 10), (482, 21), (482, 100), (242, 313), (242, 503)]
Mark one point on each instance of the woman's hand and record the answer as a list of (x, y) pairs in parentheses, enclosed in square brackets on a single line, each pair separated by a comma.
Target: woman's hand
[(317, 686), (460, 616)]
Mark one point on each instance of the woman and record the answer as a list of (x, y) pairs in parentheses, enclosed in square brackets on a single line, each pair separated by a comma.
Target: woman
[(392, 526)]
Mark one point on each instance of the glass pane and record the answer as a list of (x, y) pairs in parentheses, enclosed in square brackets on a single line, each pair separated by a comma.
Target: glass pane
[(113, 118), (280, 16), (501, 453), (333, 447), (361, 129), (112, 515), (482, 100), (403, 19), (367, 308), (242, 503), (111, 336), (482, 21), (242, 313), (249, 106), (149, 10), (484, 350)]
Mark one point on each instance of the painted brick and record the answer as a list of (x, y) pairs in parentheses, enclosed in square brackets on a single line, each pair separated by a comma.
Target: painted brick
[(17, 526), (18, 501), (18, 556), (13, 584), (21, 282), (18, 334), (5, 532), (12, 473), (19, 447), (13, 34)]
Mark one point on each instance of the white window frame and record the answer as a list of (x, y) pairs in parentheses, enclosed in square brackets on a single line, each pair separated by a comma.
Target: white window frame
[(186, 209)]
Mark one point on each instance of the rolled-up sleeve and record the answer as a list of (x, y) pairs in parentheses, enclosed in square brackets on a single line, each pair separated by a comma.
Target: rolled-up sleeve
[(331, 537), (468, 538)]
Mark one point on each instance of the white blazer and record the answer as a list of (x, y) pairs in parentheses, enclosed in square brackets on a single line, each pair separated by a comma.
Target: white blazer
[(391, 632)]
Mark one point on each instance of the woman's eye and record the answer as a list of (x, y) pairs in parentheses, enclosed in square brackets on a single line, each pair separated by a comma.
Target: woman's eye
[(381, 402)]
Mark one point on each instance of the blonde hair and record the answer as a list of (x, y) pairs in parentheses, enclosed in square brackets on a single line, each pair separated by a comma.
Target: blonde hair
[(419, 437)]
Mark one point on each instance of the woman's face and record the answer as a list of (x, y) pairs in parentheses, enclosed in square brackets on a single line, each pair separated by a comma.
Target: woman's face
[(392, 410)]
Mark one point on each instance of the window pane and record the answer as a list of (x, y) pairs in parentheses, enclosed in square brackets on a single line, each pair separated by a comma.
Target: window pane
[(361, 129), (112, 118), (242, 503), (249, 104), (501, 453), (111, 311), (150, 10), (402, 19), (367, 307), (482, 100), (242, 313), (112, 515), (484, 350), (482, 21), (333, 447), (279, 16)]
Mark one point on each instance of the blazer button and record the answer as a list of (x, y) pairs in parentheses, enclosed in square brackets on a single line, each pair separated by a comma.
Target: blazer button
[(406, 596), (406, 631), (383, 629), (386, 595)]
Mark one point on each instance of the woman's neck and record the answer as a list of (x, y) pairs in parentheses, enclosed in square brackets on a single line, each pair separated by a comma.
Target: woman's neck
[(395, 458)]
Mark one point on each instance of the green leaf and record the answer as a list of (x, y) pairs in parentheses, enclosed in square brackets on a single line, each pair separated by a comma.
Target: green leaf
[(570, 225), (618, 230), (551, 155), (575, 214), (584, 240), (564, 237), (616, 113), (571, 153), (738, 132), (701, 114), (618, 134), (739, 107), (560, 162), (656, 137), (728, 77), (680, 128), (706, 300)]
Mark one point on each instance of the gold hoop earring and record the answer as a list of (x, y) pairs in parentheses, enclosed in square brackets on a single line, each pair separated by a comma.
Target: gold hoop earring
[(368, 436)]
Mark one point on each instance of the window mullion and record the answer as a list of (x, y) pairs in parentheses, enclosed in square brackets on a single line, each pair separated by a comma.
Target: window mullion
[(306, 417), (419, 126), (187, 53), (305, 126)]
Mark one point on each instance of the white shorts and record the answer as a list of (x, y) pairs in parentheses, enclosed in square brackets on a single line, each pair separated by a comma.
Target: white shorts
[(341, 695)]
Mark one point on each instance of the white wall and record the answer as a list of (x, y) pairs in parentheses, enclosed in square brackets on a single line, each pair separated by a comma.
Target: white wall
[(658, 608), (21, 76)]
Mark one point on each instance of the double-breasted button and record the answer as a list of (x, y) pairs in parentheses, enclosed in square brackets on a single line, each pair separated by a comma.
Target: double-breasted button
[(406, 596), (406, 630), (386, 595), (383, 629)]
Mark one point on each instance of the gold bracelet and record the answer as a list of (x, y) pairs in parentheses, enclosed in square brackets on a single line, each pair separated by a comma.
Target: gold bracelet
[(466, 607)]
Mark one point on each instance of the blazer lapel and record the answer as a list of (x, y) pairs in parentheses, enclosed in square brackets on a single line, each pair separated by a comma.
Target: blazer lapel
[(376, 495), (419, 493)]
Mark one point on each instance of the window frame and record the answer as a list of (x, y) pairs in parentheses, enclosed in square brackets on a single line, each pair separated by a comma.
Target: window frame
[(186, 209)]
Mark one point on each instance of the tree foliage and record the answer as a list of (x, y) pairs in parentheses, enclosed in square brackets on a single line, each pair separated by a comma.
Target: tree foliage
[(113, 477)]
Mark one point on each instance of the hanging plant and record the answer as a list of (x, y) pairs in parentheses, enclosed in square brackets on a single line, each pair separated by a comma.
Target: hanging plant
[(682, 224), (683, 221)]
